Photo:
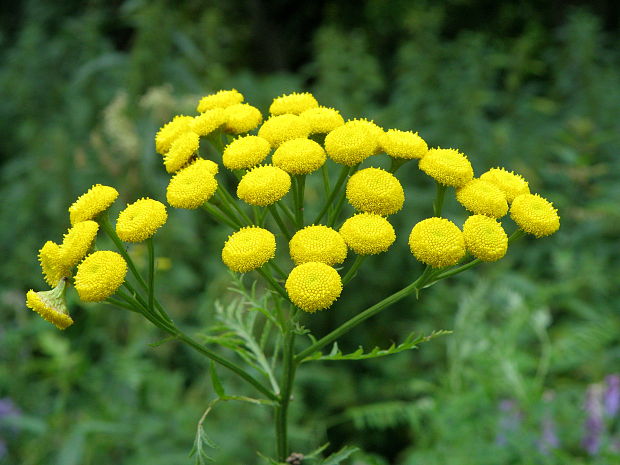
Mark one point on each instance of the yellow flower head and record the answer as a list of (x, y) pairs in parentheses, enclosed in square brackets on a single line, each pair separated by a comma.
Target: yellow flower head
[(368, 234), (52, 264), (293, 103), (485, 238), (242, 117), (248, 249), (322, 119), (535, 215), (221, 99), (96, 200), (299, 156), (50, 305), (318, 244), (437, 242), (280, 128), (170, 131), (207, 122), (181, 151), (482, 198), (245, 152), (447, 166), (512, 184), (403, 144), (313, 286), (77, 242), (375, 190), (350, 143), (140, 220), (264, 185), (100, 275), (192, 186)]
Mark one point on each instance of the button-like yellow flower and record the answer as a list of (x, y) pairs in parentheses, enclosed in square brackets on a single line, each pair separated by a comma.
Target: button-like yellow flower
[(207, 122), (245, 152), (221, 99), (242, 117), (280, 128), (322, 119), (299, 156), (140, 220), (181, 151), (294, 103), (512, 184), (192, 186), (375, 190), (318, 244), (170, 131), (351, 144), (535, 215), (50, 305), (482, 198), (100, 275), (403, 144), (313, 286), (485, 238), (437, 242), (447, 166), (368, 234), (96, 200), (52, 264), (264, 185), (77, 242), (248, 249)]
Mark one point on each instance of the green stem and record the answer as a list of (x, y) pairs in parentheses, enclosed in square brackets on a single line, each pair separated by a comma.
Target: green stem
[(439, 198), (225, 363), (276, 216), (149, 243), (336, 211), (104, 221), (369, 312), (397, 163), (299, 211), (274, 284), (344, 172), (230, 201), (359, 259), (287, 211), (288, 376), (219, 217)]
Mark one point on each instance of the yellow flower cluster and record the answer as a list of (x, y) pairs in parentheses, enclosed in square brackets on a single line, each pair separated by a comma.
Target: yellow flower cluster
[(192, 186), (317, 244), (100, 275), (293, 103), (248, 249), (264, 185), (368, 234), (221, 99), (96, 200), (351, 143), (535, 215), (245, 152), (313, 286), (482, 198), (403, 144), (437, 242), (299, 156), (485, 238), (374, 190), (322, 119), (140, 220), (447, 166), (280, 128)]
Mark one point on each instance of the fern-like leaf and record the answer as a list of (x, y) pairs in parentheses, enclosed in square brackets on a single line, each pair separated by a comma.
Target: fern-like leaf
[(411, 342)]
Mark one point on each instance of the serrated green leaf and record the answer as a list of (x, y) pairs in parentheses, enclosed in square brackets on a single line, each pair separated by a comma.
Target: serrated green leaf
[(338, 457), (215, 380), (411, 342)]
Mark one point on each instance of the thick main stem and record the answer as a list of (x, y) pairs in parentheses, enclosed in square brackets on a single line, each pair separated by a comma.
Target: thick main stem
[(288, 376)]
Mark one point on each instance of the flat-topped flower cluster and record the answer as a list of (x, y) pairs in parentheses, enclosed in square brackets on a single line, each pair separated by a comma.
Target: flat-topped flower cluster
[(269, 161)]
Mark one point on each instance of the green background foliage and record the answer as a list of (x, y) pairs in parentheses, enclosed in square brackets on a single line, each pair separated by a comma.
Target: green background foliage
[(85, 85)]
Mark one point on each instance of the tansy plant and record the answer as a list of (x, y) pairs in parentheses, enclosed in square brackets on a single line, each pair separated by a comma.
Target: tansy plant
[(301, 252)]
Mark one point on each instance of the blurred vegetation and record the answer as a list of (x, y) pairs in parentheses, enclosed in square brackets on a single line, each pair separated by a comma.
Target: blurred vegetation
[(85, 85)]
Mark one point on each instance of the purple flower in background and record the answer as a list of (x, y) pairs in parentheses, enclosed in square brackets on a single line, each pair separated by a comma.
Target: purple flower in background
[(594, 420), (549, 438), (611, 397), (7, 408), (509, 421)]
